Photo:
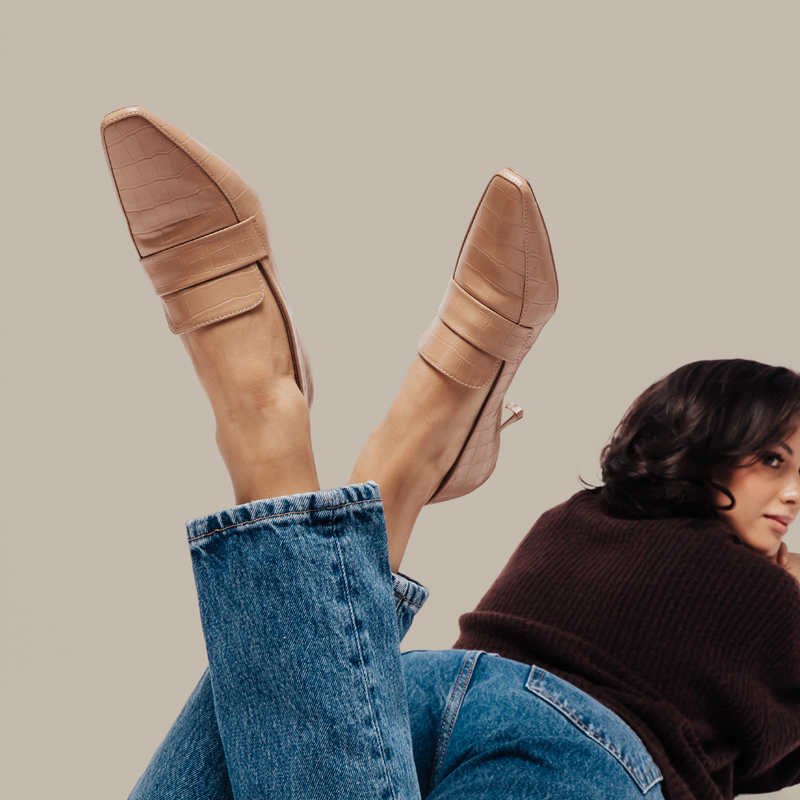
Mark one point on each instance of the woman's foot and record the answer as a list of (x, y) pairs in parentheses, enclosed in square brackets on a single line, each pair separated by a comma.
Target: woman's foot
[(441, 437), (202, 238)]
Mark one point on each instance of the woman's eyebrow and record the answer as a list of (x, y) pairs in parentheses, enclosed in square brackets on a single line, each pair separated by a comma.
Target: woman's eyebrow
[(786, 448)]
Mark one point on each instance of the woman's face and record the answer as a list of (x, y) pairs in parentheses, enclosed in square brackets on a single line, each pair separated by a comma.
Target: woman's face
[(767, 493)]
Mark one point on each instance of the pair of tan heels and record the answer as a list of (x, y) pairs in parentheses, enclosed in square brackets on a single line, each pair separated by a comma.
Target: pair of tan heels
[(203, 241)]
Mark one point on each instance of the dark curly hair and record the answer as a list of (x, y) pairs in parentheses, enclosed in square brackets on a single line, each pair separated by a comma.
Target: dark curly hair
[(707, 414)]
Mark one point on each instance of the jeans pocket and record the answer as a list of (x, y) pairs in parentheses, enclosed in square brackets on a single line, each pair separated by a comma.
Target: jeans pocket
[(598, 723)]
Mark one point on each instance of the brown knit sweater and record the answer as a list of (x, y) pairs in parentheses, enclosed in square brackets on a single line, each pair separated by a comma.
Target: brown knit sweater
[(687, 635)]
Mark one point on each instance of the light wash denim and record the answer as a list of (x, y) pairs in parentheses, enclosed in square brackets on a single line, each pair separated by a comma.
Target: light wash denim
[(307, 696)]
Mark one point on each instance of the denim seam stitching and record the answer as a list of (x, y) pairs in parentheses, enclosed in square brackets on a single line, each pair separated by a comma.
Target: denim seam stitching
[(404, 598), (282, 514), (455, 701), (375, 726), (544, 694), (456, 687)]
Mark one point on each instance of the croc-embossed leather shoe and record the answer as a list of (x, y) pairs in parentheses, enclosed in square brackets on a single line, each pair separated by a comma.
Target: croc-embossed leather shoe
[(503, 291), (198, 227)]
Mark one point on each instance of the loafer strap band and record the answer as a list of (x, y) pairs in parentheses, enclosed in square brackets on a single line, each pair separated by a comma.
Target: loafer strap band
[(206, 258), (480, 326)]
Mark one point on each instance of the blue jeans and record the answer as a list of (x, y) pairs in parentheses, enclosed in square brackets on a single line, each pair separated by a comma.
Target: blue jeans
[(307, 695)]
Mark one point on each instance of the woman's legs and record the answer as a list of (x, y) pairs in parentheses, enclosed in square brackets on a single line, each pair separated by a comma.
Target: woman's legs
[(266, 719), (244, 364), (247, 363), (309, 570), (295, 592), (263, 431), (270, 575), (296, 600), (190, 762), (485, 727)]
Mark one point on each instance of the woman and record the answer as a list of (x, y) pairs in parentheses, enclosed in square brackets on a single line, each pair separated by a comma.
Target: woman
[(664, 608)]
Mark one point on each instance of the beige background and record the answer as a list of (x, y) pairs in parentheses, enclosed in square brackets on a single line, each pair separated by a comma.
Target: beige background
[(661, 140)]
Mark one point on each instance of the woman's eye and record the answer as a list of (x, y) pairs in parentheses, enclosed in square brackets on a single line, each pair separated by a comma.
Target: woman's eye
[(771, 459)]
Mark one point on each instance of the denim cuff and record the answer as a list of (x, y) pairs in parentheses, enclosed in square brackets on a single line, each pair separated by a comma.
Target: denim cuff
[(409, 596), (261, 510)]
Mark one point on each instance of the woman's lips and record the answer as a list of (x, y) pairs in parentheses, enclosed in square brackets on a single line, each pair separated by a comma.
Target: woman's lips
[(779, 523)]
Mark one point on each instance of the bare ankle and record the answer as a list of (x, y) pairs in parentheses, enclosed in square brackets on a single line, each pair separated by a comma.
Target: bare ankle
[(413, 448), (267, 447), (246, 369)]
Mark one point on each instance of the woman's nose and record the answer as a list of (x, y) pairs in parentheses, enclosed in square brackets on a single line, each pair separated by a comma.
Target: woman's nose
[(791, 492)]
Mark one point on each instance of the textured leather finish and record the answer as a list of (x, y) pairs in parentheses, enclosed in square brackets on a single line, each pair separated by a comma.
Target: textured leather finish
[(479, 325), (214, 300), (205, 258), (168, 197), (457, 358), (198, 227), (504, 290)]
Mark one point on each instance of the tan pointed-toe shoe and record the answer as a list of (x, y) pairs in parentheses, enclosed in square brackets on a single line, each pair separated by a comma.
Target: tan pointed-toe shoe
[(503, 291), (198, 228)]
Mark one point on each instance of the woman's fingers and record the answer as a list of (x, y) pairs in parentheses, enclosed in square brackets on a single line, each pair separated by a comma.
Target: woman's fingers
[(792, 565)]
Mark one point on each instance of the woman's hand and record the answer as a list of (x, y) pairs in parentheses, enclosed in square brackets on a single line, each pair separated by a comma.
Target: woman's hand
[(792, 565), (789, 561)]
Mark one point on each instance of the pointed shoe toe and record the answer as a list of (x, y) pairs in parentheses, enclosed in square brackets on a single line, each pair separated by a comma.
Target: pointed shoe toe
[(198, 228), (503, 291)]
